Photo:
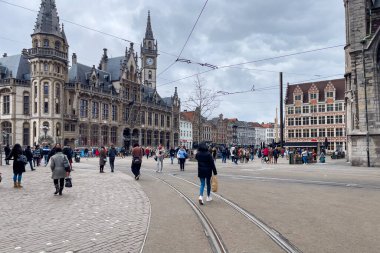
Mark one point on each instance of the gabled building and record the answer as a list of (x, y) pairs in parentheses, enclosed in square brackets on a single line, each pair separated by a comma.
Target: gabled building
[(314, 112), (44, 100), (186, 131)]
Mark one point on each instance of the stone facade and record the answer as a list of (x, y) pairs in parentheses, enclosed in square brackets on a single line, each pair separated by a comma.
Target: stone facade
[(362, 76), (186, 132), (44, 100)]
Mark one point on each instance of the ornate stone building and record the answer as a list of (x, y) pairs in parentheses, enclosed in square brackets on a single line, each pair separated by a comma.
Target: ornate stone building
[(45, 100), (362, 77), (314, 112)]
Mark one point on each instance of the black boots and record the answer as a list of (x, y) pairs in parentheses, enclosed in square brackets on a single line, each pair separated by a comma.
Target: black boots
[(56, 189), (60, 190)]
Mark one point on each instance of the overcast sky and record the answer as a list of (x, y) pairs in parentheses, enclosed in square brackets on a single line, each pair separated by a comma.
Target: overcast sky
[(228, 32)]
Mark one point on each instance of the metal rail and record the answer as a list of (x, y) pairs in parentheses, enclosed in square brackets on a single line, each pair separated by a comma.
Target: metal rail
[(212, 235), (280, 240)]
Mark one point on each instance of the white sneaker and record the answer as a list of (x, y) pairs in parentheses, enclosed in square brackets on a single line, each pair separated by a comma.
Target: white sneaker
[(200, 200), (208, 199)]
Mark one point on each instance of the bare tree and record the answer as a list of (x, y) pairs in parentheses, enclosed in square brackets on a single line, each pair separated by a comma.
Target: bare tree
[(203, 102)]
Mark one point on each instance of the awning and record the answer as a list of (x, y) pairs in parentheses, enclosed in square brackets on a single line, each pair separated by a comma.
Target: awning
[(301, 144)]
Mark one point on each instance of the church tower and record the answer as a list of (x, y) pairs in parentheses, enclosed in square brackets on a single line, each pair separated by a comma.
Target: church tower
[(49, 72), (362, 76), (149, 57)]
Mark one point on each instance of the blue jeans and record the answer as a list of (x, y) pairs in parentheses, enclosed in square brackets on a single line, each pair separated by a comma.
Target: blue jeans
[(304, 159), (17, 177), (252, 157), (31, 164), (224, 158), (172, 158), (203, 181)]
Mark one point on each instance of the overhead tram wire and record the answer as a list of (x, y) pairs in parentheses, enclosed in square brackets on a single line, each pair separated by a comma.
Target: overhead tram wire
[(83, 26), (187, 40)]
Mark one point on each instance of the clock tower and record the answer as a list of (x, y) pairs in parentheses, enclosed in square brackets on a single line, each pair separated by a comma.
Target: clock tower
[(149, 57)]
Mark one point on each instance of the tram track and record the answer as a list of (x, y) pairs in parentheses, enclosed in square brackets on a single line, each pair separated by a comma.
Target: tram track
[(216, 242), (274, 235)]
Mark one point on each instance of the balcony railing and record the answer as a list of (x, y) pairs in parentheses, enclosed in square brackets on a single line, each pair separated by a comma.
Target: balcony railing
[(47, 52)]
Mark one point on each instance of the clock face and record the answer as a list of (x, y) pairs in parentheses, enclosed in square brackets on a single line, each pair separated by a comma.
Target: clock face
[(149, 61)]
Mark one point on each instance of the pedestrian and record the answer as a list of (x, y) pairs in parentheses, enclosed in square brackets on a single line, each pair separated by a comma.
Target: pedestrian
[(29, 156), (112, 155), (214, 151), (58, 170), (137, 155), (37, 155), (233, 154), (276, 154), (246, 155), (69, 154), (206, 167), (182, 155), (252, 153), (7, 151), (160, 153), (86, 153), (102, 159), (147, 152), (172, 154), (224, 155), (305, 155), (18, 164)]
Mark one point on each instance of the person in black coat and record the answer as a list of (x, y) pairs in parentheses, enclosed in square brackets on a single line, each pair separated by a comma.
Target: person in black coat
[(29, 155), (7, 151), (206, 167), (18, 166)]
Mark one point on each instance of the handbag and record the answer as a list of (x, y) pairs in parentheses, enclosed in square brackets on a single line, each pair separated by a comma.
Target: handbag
[(22, 158), (68, 182), (155, 158), (136, 160), (214, 184)]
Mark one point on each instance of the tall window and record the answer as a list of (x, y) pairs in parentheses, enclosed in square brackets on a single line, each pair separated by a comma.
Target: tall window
[(83, 108), (46, 67), (26, 104), (313, 120), (46, 43), (113, 135), (306, 133), (338, 119), (313, 133), (290, 121), (162, 120), (150, 118), (105, 112), (291, 133), (297, 97), (156, 119), (57, 91), (291, 110), (306, 109), (104, 133), (134, 95), (298, 133), (305, 121), (95, 110), (114, 112), (35, 91), (322, 120), (313, 109), (339, 107), (57, 45), (167, 121), (321, 108), (126, 114), (46, 89), (35, 107), (46, 107), (339, 132), (57, 108), (142, 117), (298, 110), (150, 74), (330, 132), (322, 132), (330, 119), (6, 104)]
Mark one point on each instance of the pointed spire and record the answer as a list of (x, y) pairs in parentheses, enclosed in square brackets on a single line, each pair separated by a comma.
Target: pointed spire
[(48, 20), (149, 32)]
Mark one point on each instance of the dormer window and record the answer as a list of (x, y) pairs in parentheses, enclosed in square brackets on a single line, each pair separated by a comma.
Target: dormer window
[(46, 43), (330, 94), (297, 97), (313, 95)]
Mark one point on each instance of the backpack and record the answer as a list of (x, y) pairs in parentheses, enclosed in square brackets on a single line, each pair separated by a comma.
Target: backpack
[(22, 158)]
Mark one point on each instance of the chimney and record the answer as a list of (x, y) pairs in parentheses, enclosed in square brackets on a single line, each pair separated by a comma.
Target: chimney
[(5, 55), (103, 63), (74, 59)]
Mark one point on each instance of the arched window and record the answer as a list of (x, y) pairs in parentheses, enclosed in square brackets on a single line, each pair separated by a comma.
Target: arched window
[(114, 135), (83, 133), (94, 135), (46, 43), (7, 129), (26, 134), (150, 74), (104, 133), (35, 43), (58, 129), (57, 45)]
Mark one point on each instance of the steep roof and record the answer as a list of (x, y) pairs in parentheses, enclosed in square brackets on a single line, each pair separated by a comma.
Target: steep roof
[(189, 116), (80, 72), (339, 85), (256, 124), (149, 32), (47, 19), (17, 65)]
